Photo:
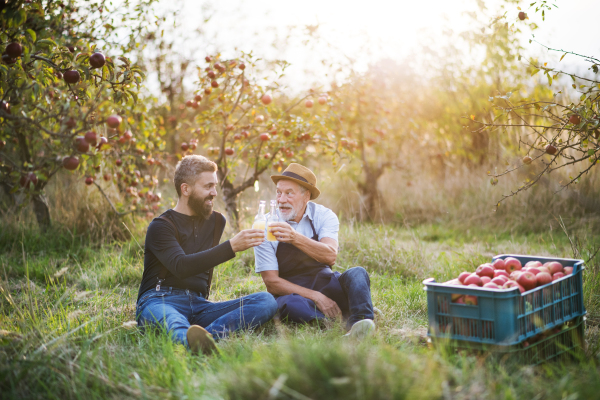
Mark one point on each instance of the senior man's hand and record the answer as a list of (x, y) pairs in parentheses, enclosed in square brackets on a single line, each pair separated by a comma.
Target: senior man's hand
[(283, 232), (327, 306)]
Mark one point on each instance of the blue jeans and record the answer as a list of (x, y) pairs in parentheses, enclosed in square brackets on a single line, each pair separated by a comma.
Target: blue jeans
[(356, 285), (177, 309)]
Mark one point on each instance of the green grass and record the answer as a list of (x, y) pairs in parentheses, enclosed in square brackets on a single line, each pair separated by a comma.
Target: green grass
[(63, 337)]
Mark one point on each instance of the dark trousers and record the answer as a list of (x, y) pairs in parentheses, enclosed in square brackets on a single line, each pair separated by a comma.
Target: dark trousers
[(357, 287)]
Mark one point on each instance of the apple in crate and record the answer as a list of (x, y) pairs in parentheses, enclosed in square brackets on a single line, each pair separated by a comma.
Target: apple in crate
[(527, 280), (554, 267), (512, 284), (499, 264), (470, 300), (491, 285), (544, 269), (533, 264), (533, 270), (485, 270), (500, 272), (463, 276), (512, 264), (455, 296), (515, 275), (499, 280), (558, 275), (473, 279), (543, 278), (486, 279), (568, 270)]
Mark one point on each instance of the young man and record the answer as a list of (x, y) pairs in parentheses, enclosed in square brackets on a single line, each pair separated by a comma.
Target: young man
[(297, 267), (178, 261)]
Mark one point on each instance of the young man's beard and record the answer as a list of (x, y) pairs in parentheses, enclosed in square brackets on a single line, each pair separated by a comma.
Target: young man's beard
[(199, 206)]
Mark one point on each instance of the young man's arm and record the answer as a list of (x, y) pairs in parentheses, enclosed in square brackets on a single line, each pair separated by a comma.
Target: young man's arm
[(161, 241)]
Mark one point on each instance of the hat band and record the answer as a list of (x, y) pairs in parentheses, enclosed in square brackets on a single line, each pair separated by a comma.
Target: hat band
[(296, 176)]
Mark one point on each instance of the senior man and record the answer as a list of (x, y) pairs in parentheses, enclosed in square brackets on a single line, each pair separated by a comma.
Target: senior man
[(182, 248), (296, 268)]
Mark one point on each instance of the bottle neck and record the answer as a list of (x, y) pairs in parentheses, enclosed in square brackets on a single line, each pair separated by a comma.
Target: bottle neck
[(261, 210)]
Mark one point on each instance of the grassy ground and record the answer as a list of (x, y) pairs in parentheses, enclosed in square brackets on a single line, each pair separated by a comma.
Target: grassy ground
[(64, 302)]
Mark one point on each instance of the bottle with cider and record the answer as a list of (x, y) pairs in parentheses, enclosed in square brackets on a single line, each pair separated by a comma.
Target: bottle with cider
[(260, 221), (273, 217)]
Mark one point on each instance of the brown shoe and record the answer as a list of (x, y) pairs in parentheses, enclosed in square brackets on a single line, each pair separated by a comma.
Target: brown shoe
[(199, 340)]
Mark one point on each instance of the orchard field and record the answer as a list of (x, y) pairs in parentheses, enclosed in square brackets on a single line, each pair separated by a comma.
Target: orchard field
[(434, 161)]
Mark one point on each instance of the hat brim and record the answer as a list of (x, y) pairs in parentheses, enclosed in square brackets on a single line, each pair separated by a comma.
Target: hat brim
[(314, 192)]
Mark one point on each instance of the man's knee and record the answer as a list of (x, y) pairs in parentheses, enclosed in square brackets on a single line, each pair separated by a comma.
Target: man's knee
[(358, 273), (299, 309), (267, 302)]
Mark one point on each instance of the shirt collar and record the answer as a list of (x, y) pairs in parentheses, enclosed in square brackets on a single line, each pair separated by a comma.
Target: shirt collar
[(309, 212)]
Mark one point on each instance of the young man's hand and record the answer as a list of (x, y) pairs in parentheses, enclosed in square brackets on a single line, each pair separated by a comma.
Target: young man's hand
[(246, 239)]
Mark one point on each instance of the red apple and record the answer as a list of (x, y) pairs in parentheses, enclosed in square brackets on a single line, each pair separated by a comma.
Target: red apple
[(107, 177), (550, 149), (470, 300), (237, 137), (485, 270), (89, 180), (114, 121), (557, 275), (527, 160), (242, 66), (534, 271), (514, 275), (207, 90), (184, 146), (229, 151), (527, 280), (260, 119), (214, 84), (91, 137), (499, 264), (14, 50), (266, 99), (119, 162), (286, 133), (473, 279), (197, 98), (512, 284), (543, 278), (533, 264), (544, 269), (522, 15), (553, 267), (266, 156), (97, 60), (70, 162), (500, 272), (485, 279), (512, 264), (81, 145), (455, 296), (208, 59), (575, 119), (245, 134), (71, 76), (463, 276), (308, 103), (102, 142), (322, 100), (499, 281), (491, 285), (211, 74), (264, 137), (568, 270)]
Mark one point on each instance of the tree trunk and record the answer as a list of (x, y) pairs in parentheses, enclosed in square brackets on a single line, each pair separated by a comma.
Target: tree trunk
[(372, 200), (42, 213), (230, 197)]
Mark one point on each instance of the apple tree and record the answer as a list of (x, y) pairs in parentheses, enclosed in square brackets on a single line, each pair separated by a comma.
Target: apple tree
[(559, 131), (69, 101), (248, 125)]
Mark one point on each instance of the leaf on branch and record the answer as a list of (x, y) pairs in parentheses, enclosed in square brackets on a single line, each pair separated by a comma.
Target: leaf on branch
[(563, 56), (535, 71)]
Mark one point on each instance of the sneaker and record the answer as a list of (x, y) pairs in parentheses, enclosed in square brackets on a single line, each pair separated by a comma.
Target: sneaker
[(199, 340), (362, 329)]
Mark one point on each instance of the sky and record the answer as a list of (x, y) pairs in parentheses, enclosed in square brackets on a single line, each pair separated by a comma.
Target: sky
[(367, 30)]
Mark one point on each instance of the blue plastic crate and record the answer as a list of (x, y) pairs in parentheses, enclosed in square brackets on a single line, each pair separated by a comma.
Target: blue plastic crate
[(502, 316)]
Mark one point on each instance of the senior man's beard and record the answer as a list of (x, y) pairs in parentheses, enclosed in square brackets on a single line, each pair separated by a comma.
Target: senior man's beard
[(287, 212), (201, 206)]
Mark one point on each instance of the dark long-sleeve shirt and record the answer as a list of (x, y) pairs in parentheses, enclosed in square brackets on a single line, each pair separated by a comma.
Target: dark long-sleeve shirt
[(188, 263)]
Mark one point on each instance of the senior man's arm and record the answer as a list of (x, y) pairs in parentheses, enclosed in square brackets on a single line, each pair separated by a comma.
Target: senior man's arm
[(324, 251)]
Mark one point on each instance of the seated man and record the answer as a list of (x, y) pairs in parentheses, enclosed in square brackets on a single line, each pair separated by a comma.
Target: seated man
[(297, 267), (182, 247)]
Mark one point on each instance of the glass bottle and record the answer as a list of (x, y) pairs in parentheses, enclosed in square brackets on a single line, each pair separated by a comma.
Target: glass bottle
[(260, 221), (273, 217)]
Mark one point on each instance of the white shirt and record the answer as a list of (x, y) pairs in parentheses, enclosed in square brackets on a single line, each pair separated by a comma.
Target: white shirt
[(326, 225)]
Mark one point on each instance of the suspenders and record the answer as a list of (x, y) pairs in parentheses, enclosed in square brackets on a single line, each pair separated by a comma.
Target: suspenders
[(216, 238)]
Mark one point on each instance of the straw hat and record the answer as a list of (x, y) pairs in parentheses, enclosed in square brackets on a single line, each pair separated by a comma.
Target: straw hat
[(302, 176)]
